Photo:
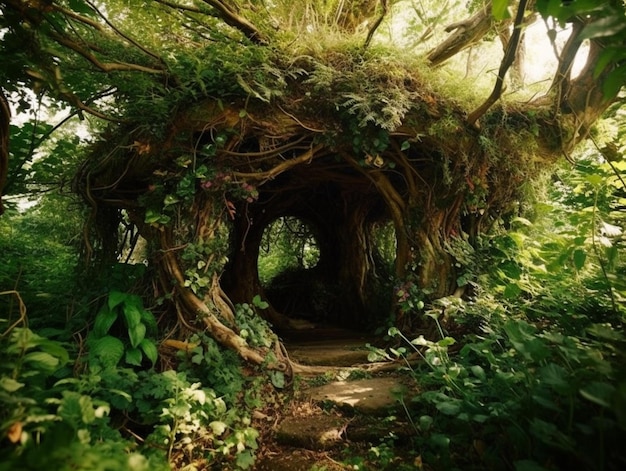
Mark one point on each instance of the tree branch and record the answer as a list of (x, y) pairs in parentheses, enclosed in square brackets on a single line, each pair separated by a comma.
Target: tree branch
[(376, 24), (232, 18), (125, 36), (507, 60), (283, 166), (103, 66), (465, 34)]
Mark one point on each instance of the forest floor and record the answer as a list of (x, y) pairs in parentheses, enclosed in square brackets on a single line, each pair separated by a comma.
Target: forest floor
[(335, 420)]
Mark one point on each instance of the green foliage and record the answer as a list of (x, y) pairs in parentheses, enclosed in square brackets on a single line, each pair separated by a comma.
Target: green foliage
[(122, 312), (39, 259), (288, 244), (45, 423)]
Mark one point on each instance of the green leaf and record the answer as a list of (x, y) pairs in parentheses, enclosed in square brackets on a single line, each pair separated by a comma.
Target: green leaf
[(425, 423), (278, 379), (446, 342), (108, 350), (555, 376), (512, 291), (132, 314), (104, 321), (258, 302), (405, 145), (149, 320), (500, 9), (245, 459), (614, 81), (150, 350), (9, 384), (41, 361), (116, 298), (421, 341), (76, 409), (608, 26), (80, 6), (579, 257), (478, 371), (218, 427), (449, 407), (133, 356), (393, 331), (136, 334), (599, 393)]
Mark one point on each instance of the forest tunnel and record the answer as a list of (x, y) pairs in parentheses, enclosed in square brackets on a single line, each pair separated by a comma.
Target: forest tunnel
[(339, 211)]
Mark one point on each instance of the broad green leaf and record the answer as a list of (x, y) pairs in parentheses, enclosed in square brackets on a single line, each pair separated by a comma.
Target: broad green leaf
[(108, 350), (446, 342), (133, 356), (41, 361), (440, 440), (9, 384), (132, 315), (116, 298), (555, 376), (149, 320), (278, 379), (599, 393), (150, 350), (245, 459), (136, 334), (449, 407), (104, 321), (614, 81)]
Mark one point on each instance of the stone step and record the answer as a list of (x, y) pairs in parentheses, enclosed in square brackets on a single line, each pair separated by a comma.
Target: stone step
[(331, 431)]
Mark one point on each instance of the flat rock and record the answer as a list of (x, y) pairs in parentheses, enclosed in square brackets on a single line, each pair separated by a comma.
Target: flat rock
[(328, 431), (372, 396)]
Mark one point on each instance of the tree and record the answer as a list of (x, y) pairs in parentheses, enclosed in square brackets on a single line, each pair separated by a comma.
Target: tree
[(216, 118)]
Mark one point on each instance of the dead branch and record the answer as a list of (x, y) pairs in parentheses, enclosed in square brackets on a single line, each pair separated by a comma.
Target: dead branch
[(507, 60), (466, 33)]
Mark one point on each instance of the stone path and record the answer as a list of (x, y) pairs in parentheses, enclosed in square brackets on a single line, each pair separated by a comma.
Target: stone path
[(341, 412)]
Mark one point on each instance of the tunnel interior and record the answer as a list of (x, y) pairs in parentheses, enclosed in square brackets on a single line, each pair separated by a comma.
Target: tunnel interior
[(318, 245)]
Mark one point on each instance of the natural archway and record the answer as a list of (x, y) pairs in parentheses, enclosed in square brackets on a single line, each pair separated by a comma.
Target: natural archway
[(342, 214)]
